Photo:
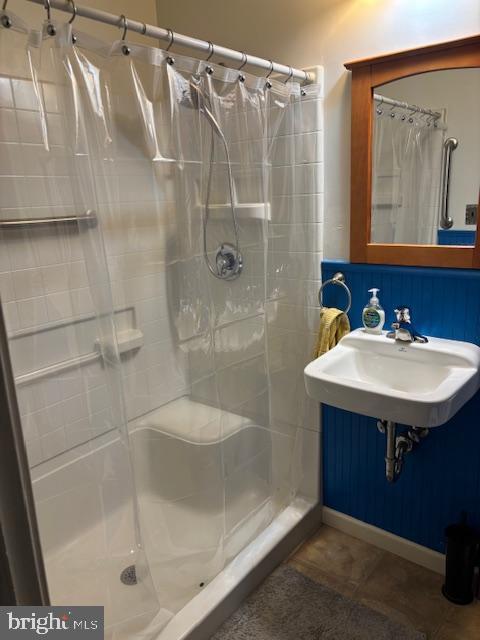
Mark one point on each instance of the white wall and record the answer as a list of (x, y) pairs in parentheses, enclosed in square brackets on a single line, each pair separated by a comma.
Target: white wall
[(458, 93), (326, 32)]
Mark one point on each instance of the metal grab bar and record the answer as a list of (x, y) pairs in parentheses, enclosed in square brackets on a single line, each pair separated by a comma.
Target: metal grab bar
[(89, 217), (449, 146), (55, 369), (127, 340)]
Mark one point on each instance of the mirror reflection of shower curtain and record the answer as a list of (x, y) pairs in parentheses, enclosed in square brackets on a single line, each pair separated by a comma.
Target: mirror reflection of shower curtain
[(406, 179)]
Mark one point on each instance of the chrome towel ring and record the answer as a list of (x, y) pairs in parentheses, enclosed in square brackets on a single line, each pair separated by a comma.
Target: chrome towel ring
[(338, 279)]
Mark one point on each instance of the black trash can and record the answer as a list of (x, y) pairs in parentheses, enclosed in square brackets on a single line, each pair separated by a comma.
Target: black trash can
[(461, 558)]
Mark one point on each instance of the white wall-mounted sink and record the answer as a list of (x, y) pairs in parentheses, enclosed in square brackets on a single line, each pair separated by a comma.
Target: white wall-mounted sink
[(422, 385)]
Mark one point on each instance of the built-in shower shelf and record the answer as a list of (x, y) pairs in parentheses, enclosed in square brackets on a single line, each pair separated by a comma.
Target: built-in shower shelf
[(244, 211), (127, 340), (193, 422)]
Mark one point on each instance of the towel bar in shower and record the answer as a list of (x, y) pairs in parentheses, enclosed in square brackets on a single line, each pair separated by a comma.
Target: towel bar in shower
[(90, 217)]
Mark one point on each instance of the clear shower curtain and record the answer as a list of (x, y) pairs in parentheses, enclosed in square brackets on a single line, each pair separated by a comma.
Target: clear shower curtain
[(406, 178), (212, 463), (56, 297), (224, 468)]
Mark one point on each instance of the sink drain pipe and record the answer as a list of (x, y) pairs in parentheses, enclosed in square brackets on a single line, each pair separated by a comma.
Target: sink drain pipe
[(398, 446)]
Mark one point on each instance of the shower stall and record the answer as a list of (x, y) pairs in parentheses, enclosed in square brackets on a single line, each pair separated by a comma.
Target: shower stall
[(160, 229)]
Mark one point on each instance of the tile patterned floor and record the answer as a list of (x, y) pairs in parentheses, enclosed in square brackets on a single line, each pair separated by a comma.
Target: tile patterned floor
[(387, 583)]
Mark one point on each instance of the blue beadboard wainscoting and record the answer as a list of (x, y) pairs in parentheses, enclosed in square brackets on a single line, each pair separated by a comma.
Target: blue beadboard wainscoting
[(442, 478), (456, 237)]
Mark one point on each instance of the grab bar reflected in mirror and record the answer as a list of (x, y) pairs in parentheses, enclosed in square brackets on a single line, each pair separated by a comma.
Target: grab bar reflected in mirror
[(449, 146)]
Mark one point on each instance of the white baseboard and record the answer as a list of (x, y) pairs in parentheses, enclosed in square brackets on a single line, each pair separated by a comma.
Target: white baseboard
[(384, 540)]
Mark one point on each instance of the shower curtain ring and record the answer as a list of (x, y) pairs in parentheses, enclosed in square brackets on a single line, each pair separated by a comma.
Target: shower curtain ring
[(125, 49), (379, 109), (211, 50), (268, 84), (74, 15), (6, 22), (170, 60), (50, 28), (74, 11), (124, 24), (241, 77), (290, 75), (244, 61), (172, 37)]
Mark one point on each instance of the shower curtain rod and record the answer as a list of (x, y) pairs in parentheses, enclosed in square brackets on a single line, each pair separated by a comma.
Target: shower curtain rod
[(171, 37), (404, 105)]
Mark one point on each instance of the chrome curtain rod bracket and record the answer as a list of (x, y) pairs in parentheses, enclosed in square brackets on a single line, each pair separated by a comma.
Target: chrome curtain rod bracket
[(184, 41)]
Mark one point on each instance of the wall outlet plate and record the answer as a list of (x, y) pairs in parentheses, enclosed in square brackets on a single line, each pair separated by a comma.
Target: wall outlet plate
[(471, 211)]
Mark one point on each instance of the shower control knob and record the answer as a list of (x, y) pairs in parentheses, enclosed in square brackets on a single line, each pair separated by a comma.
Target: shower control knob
[(229, 262)]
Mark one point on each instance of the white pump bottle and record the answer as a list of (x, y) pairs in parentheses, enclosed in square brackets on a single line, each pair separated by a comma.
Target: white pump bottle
[(373, 316)]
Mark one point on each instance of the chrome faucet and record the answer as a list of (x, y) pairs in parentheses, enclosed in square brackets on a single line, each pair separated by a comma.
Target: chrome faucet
[(403, 328)]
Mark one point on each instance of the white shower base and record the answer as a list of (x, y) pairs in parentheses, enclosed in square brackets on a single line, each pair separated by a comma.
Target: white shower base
[(184, 534), (205, 612)]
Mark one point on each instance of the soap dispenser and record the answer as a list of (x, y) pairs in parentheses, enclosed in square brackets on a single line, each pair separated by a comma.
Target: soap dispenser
[(373, 316)]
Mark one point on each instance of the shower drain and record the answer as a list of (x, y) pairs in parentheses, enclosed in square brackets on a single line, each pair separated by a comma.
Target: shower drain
[(129, 575)]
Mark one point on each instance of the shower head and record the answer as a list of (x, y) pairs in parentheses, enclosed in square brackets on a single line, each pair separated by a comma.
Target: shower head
[(229, 260)]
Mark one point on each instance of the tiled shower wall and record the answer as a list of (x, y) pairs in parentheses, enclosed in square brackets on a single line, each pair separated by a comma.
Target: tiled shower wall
[(295, 251), (45, 290), (43, 278), (46, 295)]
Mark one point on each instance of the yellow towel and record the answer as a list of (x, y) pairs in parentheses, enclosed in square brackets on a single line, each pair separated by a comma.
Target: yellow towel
[(334, 324)]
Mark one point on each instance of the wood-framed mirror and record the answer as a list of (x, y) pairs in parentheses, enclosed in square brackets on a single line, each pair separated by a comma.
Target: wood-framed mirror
[(415, 156)]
